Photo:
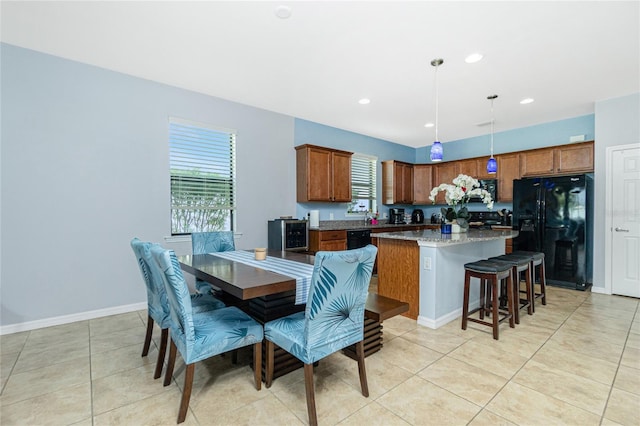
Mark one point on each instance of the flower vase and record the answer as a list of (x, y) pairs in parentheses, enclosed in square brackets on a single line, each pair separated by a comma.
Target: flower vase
[(457, 229)]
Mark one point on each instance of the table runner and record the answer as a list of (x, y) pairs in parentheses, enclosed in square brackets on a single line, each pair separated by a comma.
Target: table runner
[(300, 271)]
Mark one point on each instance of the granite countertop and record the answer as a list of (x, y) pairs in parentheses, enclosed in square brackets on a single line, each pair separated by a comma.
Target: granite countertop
[(350, 225), (434, 238)]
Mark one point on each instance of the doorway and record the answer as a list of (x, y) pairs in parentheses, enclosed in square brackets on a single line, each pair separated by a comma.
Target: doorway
[(623, 220)]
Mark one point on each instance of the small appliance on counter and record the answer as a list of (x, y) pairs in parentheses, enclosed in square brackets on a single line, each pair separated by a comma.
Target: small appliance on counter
[(396, 216), (288, 234), (417, 216)]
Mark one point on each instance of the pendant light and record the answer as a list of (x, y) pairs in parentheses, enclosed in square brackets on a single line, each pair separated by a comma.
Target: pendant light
[(436, 148), (492, 164)]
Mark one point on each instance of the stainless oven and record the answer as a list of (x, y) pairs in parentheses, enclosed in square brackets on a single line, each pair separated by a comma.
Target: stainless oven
[(288, 234)]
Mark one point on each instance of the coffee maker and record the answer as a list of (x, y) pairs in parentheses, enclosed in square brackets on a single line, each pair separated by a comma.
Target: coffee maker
[(417, 216), (396, 216)]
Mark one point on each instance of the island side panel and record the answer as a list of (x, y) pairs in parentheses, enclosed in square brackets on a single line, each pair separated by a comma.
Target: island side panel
[(399, 272), (441, 287)]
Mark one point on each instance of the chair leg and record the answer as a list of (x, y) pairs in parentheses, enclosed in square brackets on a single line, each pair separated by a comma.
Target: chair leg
[(495, 302), (257, 364), (515, 294), (170, 364), (512, 305), (147, 337), (543, 283), (186, 392), (483, 304), (161, 353), (268, 375), (465, 303), (361, 370), (311, 397), (530, 289)]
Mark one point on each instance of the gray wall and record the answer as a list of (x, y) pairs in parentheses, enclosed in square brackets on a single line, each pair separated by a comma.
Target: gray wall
[(617, 123), (85, 169)]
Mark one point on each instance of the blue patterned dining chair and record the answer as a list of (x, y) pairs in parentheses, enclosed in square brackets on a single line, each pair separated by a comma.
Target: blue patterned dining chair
[(333, 318), (210, 242), (157, 303), (201, 335)]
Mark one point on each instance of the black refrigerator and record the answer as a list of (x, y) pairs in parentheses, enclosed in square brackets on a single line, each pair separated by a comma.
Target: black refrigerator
[(554, 215)]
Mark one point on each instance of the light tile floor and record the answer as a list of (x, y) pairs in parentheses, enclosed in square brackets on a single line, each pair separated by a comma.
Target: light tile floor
[(576, 361)]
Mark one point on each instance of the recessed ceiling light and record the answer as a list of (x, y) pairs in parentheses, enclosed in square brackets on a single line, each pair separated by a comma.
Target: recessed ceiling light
[(429, 125), (473, 58), (364, 101), (282, 12), (526, 101)]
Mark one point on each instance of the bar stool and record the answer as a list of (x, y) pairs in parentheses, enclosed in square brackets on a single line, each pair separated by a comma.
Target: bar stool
[(490, 275), (520, 264), (537, 261)]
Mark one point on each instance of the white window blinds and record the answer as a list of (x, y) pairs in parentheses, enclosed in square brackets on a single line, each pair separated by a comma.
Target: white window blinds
[(363, 177), (202, 164)]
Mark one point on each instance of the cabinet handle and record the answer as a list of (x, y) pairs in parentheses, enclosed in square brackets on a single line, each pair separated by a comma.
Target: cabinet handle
[(621, 229)]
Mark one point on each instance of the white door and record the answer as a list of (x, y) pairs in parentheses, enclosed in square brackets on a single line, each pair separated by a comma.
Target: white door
[(625, 215)]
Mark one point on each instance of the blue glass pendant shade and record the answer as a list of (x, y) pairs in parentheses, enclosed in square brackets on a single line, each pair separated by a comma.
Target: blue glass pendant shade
[(436, 151), (492, 166)]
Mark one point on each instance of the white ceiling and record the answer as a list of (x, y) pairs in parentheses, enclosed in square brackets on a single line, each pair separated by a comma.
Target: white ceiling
[(318, 63)]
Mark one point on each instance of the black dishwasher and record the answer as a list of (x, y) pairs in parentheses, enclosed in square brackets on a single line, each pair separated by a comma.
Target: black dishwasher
[(358, 238)]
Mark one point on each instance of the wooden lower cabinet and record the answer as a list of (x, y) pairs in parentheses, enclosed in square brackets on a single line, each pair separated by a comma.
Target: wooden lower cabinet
[(327, 240), (399, 272)]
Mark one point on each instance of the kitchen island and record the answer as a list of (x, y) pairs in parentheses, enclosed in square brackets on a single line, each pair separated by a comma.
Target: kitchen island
[(426, 269)]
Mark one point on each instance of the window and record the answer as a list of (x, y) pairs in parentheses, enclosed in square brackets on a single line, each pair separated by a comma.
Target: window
[(363, 184), (202, 167)]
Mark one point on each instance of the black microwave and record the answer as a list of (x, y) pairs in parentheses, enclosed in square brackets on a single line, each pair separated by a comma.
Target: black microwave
[(489, 185)]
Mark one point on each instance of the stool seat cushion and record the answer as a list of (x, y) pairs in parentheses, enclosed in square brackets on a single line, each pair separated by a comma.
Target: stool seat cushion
[(513, 259), (536, 255), (487, 266)]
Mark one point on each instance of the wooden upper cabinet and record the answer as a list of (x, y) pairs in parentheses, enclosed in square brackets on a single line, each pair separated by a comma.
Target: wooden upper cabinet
[(422, 183), (467, 167), (562, 159), (508, 170), (475, 167), (397, 182), (322, 174), (444, 173), (537, 162), (574, 158)]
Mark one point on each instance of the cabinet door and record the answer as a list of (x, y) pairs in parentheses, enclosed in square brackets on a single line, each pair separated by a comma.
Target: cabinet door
[(577, 158), (538, 162), (319, 179), (468, 167), (422, 183), (508, 170), (407, 183), (398, 176), (341, 172), (444, 173)]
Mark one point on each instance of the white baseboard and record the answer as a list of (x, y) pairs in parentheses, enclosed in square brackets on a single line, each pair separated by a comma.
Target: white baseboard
[(600, 290), (439, 322), (66, 319)]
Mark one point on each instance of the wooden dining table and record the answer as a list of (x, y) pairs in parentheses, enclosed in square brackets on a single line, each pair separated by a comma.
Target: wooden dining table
[(267, 296), (262, 294)]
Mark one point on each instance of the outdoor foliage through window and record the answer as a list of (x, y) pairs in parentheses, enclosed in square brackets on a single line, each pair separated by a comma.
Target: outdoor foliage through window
[(202, 163)]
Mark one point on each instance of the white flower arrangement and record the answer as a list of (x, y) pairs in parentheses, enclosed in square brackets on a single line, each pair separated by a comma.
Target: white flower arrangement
[(458, 195)]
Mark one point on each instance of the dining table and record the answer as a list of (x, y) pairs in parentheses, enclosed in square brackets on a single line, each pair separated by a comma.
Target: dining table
[(267, 295), (261, 293)]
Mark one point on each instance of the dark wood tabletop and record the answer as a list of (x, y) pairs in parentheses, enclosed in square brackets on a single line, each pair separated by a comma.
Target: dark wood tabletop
[(241, 280)]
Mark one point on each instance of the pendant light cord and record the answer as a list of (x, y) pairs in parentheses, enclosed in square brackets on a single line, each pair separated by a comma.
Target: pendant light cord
[(437, 103)]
